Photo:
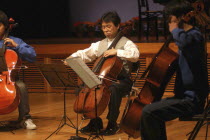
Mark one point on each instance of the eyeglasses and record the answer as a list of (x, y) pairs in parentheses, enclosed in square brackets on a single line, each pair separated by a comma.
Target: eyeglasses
[(106, 26)]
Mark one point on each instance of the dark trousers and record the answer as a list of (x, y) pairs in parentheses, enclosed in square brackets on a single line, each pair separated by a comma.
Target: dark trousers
[(23, 106), (118, 90), (154, 116)]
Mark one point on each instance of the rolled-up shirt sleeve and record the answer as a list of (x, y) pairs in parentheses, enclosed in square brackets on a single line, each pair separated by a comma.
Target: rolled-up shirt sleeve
[(130, 52)]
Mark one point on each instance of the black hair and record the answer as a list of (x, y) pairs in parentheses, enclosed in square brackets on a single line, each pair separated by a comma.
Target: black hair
[(4, 19), (179, 8), (111, 16)]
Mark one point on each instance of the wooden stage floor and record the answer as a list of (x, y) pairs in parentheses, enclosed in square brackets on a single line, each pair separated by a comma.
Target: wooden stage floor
[(47, 112)]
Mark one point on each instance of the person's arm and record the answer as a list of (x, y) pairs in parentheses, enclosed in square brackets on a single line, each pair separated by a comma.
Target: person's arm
[(181, 37), (25, 51), (88, 54), (184, 39), (130, 52)]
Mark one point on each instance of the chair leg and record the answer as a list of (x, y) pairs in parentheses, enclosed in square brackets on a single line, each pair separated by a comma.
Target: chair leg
[(156, 28), (148, 25), (207, 129), (195, 131), (140, 29), (200, 123), (164, 26)]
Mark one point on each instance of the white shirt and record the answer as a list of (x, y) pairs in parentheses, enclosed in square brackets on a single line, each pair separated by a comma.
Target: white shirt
[(130, 52)]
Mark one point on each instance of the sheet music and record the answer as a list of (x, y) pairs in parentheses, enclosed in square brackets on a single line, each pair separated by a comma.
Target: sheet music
[(83, 71)]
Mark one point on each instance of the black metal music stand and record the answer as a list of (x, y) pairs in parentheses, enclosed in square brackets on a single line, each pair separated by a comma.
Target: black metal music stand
[(58, 76), (89, 78)]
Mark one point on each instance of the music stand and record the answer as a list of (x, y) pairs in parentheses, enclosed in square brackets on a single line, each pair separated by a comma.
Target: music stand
[(88, 77), (58, 76)]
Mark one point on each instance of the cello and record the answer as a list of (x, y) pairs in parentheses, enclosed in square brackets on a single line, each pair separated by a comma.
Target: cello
[(9, 97), (159, 73), (92, 102)]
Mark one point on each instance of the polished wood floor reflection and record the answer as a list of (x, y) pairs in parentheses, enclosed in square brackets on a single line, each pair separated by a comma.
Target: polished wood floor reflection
[(47, 112)]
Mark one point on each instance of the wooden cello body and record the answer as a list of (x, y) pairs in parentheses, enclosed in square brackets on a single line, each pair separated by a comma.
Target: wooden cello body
[(93, 102), (160, 72), (9, 97)]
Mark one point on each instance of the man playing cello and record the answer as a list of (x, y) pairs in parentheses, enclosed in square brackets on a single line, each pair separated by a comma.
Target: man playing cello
[(191, 85), (128, 52)]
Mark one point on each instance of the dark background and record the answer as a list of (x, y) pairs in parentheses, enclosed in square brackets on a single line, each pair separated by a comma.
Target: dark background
[(38, 18), (55, 18)]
